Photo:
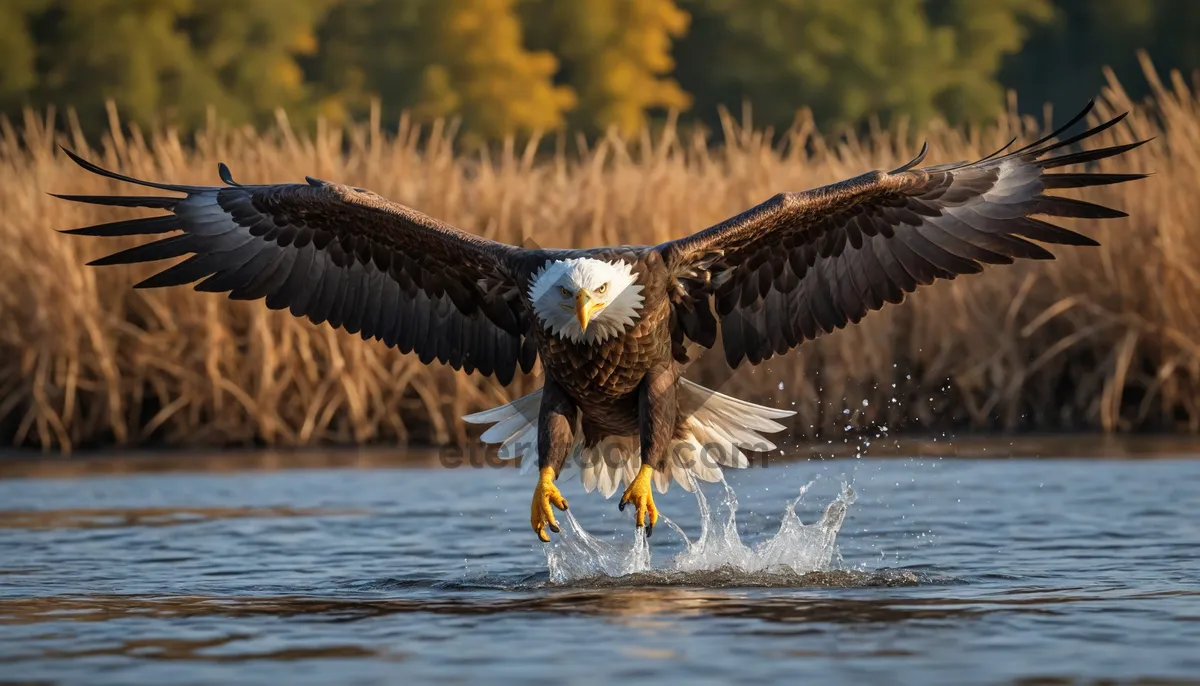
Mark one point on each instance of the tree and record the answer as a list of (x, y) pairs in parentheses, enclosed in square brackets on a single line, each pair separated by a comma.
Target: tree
[(480, 70), (369, 49), (616, 54), (130, 52), (251, 49), (847, 59), (18, 52), (514, 66), (1064, 59), (159, 60), (984, 34), (441, 58)]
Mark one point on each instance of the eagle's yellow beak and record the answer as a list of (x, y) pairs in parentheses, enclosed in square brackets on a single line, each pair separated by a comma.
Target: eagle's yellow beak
[(586, 308)]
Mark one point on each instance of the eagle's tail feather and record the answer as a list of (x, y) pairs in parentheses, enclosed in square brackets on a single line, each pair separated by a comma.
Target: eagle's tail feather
[(718, 431), (715, 431), (514, 427)]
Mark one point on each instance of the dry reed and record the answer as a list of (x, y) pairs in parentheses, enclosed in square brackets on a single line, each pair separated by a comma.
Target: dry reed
[(1099, 339)]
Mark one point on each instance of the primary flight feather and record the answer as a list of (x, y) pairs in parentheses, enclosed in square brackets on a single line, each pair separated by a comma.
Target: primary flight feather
[(612, 325)]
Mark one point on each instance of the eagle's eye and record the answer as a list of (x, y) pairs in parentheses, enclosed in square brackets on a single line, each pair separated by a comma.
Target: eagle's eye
[(564, 291), (603, 287)]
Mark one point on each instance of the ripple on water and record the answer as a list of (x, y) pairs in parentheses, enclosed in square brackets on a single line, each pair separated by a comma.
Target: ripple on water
[(1086, 571)]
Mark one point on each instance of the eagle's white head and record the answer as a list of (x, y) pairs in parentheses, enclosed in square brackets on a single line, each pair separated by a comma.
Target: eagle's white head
[(585, 300)]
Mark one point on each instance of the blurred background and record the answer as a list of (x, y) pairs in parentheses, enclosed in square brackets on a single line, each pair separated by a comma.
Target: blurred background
[(582, 123), (518, 66)]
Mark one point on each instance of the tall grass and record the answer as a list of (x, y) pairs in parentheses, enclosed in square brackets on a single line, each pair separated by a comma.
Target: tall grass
[(1100, 339)]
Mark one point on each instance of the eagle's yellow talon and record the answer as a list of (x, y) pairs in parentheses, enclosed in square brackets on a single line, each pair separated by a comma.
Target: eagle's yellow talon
[(541, 514), (639, 495)]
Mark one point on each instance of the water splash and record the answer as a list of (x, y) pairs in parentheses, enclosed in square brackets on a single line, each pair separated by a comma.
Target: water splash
[(795, 550), (580, 555)]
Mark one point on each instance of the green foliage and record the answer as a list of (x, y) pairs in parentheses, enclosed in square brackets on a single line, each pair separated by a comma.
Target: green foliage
[(247, 51), (847, 59), (369, 49), (984, 34), (158, 60), (131, 52), (18, 51), (1063, 60)]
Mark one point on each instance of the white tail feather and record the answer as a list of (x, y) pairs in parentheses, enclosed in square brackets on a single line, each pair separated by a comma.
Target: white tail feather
[(514, 428), (717, 430)]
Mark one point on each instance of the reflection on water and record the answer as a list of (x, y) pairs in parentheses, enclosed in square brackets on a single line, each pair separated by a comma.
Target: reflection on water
[(610, 598), (101, 518), (201, 650), (939, 572)]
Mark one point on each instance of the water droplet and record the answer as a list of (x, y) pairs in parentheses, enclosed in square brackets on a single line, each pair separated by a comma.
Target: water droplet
[(797, 547)]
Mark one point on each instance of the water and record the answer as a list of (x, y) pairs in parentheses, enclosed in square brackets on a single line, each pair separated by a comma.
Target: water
[(887, 570), (795, 550)]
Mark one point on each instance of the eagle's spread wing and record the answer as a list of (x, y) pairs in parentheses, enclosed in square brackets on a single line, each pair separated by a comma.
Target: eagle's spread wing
[(335, 254), (803, 264)]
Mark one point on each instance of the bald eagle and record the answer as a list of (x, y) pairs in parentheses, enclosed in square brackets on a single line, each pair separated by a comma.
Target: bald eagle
[(613, 326)]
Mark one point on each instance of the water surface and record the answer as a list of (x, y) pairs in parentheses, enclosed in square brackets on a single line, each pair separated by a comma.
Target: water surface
[(943, 571)]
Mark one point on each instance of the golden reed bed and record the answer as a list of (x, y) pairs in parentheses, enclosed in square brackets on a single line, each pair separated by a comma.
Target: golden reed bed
[(1100, 339)]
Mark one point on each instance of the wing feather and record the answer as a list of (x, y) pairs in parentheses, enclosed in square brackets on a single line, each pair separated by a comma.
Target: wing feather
[(337, 255), (803, 264)]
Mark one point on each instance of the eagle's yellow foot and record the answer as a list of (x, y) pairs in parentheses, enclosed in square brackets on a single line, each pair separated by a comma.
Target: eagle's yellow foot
[(546, 494), (638, 494)]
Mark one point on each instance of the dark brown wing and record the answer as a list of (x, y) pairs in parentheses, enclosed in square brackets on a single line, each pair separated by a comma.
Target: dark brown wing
[(340, 255), (803, 264)]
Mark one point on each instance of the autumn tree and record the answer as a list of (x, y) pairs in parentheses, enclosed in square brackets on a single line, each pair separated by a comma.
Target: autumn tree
[(479, 69), (440, 58), (616, 55)]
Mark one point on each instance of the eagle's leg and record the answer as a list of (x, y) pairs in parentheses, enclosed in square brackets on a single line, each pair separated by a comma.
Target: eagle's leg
[(556, 421), (656, 425)]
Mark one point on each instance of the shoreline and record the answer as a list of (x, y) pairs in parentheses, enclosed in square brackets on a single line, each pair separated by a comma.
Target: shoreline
[(29, 464)]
